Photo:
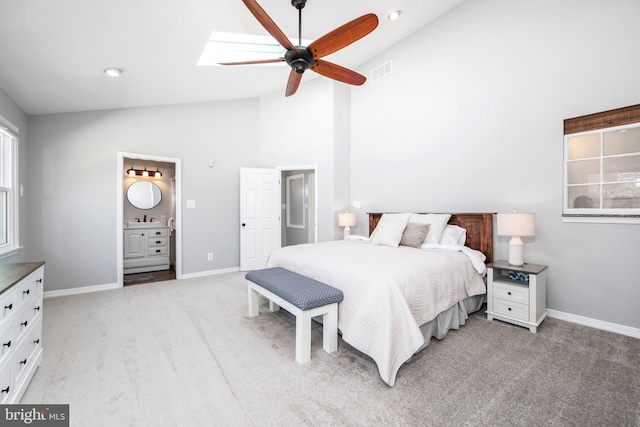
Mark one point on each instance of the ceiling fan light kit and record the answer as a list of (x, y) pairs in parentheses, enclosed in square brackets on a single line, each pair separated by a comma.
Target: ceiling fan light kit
[(301, 58)]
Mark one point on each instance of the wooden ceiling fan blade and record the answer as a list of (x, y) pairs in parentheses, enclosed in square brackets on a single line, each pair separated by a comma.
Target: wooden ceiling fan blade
[(337, 72), (343, 36), (293, 83), (254, 62), (268, 24)]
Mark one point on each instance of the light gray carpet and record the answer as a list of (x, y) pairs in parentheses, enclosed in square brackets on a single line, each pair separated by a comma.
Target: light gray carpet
[(184, 353)]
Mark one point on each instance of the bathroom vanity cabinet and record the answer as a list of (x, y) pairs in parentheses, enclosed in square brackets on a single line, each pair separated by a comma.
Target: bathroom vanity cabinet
[(146, 249)]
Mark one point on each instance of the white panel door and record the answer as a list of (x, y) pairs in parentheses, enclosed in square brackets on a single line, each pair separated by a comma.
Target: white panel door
[(259, 216)]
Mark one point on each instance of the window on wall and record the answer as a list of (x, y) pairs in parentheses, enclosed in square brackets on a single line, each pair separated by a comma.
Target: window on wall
[(9, 242), (602, 167)]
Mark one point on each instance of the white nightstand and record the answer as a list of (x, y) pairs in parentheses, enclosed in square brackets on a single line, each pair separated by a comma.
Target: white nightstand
[(522, 303)]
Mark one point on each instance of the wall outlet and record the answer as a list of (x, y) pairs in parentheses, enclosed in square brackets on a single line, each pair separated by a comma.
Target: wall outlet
[(210, 256), (163, 218)]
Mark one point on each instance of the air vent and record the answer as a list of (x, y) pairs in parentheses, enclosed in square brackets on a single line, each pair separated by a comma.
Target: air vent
[(381, 71)]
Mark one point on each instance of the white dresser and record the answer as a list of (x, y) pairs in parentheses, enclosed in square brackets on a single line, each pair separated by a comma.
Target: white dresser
[(21, 289), (146, 249)]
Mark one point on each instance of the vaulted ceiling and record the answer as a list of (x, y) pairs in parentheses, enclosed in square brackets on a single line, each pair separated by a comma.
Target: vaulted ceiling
[(53, 53)]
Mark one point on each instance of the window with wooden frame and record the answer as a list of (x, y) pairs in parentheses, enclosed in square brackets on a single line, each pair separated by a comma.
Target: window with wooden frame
[(602, 167)]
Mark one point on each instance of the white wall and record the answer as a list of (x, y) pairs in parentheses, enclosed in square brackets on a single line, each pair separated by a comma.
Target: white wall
[(72, 165), (471, 119), (300, 130)]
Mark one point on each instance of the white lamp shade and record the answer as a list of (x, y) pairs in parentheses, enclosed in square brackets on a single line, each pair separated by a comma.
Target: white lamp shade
[(516, 224), (346, 219)]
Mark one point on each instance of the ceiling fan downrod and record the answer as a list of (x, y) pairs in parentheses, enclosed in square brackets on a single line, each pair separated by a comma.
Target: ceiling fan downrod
[(301, 60), (299, 4)]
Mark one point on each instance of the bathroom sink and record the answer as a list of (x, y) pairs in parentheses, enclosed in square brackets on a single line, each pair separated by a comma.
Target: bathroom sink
[(135, 224)]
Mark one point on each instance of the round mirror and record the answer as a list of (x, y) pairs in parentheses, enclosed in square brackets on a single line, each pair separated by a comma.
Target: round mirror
[(144, 194)]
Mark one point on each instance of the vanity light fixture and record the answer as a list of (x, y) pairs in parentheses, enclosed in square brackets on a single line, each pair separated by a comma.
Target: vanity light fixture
[(144, 173), (394, 15)]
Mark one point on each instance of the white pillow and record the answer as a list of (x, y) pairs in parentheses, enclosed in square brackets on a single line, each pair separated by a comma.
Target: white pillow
[(389, 230), (437, 224), (453, 235)]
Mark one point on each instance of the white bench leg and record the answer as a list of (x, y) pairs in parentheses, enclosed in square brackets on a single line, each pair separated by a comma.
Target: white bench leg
[(303, 337), (330, 329), (253, 301), (273, 306)]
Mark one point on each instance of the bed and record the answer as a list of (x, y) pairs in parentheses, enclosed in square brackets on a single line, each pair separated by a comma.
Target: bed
[(397, 297)]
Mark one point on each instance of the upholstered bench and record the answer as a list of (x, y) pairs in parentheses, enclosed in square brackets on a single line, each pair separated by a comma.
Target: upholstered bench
[(301, 296)]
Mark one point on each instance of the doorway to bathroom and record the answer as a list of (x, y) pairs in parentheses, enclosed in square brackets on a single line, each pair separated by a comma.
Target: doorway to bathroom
[(149, 218)]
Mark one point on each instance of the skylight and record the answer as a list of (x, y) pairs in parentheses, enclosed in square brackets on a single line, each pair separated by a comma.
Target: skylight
[(232, 47)]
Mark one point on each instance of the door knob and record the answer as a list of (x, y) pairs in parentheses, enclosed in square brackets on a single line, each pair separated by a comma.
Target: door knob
[(243, 224)]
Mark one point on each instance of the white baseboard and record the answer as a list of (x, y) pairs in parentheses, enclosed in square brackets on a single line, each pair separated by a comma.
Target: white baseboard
[(594, 323), (110, 286), (210, 273), (82, 290)]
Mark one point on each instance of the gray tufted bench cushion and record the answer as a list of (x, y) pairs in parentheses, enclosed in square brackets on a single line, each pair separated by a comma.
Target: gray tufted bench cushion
[(303, 297), (301, 291)]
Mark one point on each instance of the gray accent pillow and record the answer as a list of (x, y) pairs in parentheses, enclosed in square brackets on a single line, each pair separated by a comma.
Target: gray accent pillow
[(414, 234)]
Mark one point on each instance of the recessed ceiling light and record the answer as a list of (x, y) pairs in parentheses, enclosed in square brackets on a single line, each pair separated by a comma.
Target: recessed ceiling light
[(394, 15), (113, 72)]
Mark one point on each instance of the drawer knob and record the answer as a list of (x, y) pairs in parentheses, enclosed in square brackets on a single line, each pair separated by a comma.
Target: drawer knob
[(39, 281), (158, 233), (24, 323), (37, 341), (23, 362), (26, 292), (158, 242), (6, 390), (10, 306), (509, 293), (158, 251), (509, 308), (36, 308), (7, 344)]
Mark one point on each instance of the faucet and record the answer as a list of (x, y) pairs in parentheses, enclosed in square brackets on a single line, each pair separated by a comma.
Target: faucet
[(145, 218)]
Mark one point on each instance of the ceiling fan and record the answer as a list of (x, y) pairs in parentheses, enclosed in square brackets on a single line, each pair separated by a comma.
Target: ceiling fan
[(301, 58)]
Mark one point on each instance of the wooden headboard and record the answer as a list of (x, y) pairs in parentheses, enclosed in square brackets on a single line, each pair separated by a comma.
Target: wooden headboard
[(479, 228)]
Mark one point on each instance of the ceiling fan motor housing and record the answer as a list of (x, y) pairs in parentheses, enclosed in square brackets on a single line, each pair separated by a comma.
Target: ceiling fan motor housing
[(301, 60)]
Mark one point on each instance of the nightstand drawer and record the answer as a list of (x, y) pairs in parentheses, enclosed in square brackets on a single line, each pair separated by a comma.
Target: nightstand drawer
[(513, 292), (511, 309)]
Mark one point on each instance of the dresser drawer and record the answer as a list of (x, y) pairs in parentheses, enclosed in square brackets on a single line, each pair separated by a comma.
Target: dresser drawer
[(158, 251), (29, 287), (513, 292), (157, 241), (153, 233), (6, 384), (7, 343), (7, 304), (511, 309), (26, 352), (27, 316)]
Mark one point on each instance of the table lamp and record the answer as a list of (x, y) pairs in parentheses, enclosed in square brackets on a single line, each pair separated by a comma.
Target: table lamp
[(347, 220), (516, 225)]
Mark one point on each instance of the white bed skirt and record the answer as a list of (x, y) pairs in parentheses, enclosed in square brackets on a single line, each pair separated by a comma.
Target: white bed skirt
[(452, 318)]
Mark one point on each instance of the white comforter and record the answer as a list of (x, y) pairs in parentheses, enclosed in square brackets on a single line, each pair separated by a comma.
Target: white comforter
[(388, 292)]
